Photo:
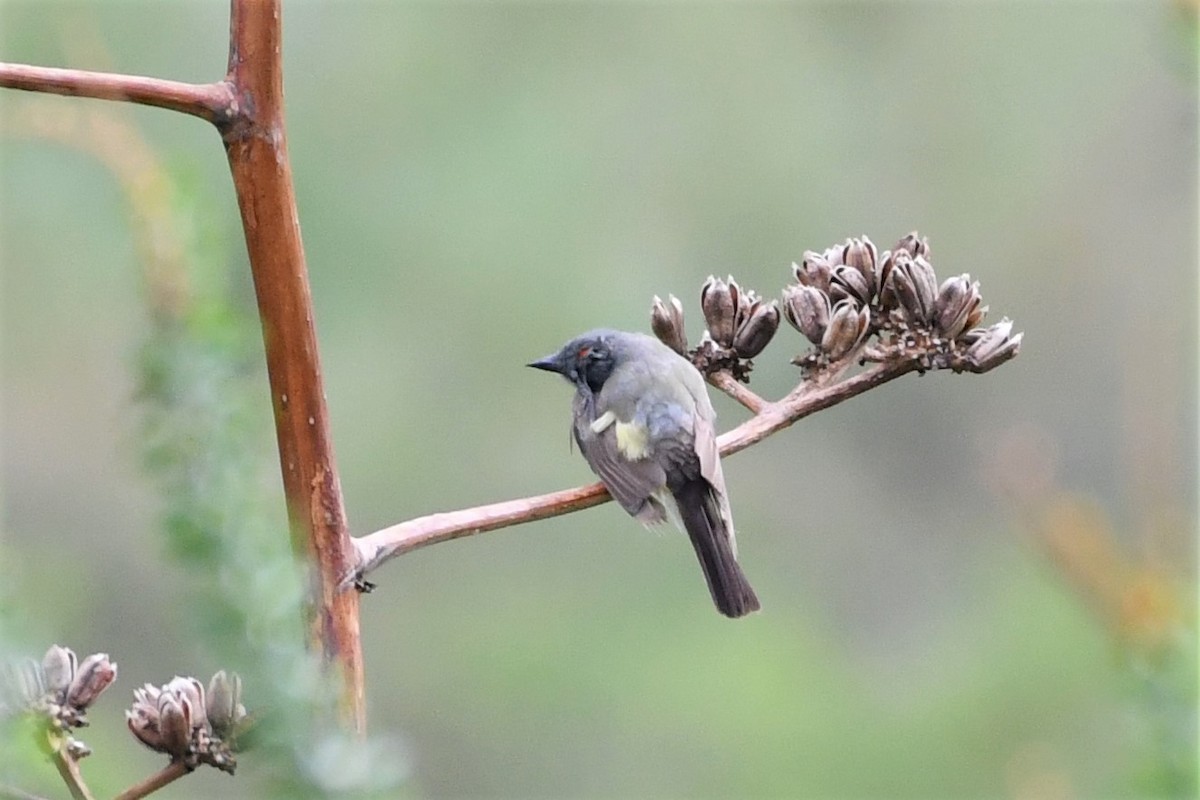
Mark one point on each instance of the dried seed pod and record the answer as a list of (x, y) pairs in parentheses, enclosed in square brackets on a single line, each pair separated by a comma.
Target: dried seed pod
[(992, 346), (862, 255), (848, 282), (58, 667), (748, 302), (847, 328), (95, 674), (719, 303), (914, 284), (225, 708), (666, 320), (900, 284), (887, 293), (191, 692), (806, 309), (814, 270), (142, 720), (735, 292), (174, 725), (914, 244), (976, 316), (926, 282), (757, 330), (956, 300)]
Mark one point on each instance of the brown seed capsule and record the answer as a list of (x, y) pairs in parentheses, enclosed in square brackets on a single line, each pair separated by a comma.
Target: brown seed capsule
[(927, 287), (956, 300), (992, 346), (847, 328), (720, 307), (737, 295), (143, 724), (887, 294), (756, 332), (848, 282), (174, 724), (192, 691), (58, 668), (899, 281), (806, 309), (976, 316), (914, 285), (95, 674), (666, 320), (225, 703), (862, 255), (815, 270), (913, 244), (748, 302)]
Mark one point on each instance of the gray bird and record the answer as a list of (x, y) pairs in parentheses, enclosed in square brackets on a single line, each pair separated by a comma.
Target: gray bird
[(644, 423)]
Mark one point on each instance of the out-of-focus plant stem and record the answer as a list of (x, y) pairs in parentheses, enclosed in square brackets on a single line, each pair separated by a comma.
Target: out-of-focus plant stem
[(247, 108)]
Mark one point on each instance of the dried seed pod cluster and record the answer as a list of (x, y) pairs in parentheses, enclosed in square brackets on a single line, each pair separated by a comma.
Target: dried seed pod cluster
[(850, 291), (739, 325), (843, 297), (59, 690), (189, 724)]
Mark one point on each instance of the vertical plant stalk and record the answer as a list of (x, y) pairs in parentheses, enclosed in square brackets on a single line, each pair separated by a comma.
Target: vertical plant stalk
[(247, 108), (256, 145)]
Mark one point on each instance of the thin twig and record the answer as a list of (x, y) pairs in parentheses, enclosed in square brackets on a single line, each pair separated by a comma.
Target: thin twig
[(171, 772), (68, 768), (376, 548), (738, 391), (210, 101)]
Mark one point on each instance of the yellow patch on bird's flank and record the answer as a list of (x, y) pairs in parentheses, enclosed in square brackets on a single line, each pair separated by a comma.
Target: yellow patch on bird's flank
[(632, 440)]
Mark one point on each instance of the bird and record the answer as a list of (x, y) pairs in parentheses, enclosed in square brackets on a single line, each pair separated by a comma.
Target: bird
[(645, 425)]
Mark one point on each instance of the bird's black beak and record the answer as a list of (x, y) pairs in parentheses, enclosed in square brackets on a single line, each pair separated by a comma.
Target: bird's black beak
[(549, 363)]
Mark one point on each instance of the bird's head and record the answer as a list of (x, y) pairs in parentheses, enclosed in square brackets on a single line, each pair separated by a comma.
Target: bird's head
[(586, 360)]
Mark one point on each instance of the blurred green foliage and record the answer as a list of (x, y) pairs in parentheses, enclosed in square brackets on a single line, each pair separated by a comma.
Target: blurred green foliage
[(476, 183)]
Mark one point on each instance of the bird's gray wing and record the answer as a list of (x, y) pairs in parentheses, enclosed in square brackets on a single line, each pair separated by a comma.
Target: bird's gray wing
[(631, 483), (710, 467), (705, 442)]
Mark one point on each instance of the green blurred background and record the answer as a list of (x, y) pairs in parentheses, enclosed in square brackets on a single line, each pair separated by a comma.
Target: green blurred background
[(973, 586)]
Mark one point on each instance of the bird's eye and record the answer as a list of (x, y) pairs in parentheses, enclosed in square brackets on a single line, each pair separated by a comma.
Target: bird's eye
[(583, 353)]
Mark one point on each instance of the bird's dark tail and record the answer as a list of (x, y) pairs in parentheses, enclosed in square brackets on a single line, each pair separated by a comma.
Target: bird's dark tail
[(701, 517)]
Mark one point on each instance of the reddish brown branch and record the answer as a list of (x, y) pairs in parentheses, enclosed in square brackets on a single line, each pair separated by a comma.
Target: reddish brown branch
[(210, 101), (738, 391), (256, 145), (382, 545), (168, 774), (376, 548), (247, 107)]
